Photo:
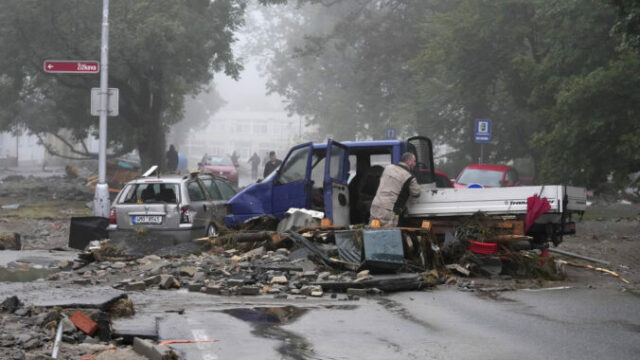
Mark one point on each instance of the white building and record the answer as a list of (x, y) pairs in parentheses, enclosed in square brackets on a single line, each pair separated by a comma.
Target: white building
[(244, 132), (25, 150), (20, 150)]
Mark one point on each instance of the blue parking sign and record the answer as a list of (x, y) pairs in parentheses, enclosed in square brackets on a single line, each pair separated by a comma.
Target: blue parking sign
[(483, 130), (390, 133)]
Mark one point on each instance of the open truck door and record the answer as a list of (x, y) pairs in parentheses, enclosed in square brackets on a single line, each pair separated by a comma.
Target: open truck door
[(422, 148), (292, 184), (336, 189)]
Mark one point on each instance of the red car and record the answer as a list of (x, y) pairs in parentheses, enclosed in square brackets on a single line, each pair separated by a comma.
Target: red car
[(487, 175), (442, 180), (221, 166)]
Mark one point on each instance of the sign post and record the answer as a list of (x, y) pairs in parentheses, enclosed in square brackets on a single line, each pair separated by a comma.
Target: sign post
[(483, 135), (101, 203)]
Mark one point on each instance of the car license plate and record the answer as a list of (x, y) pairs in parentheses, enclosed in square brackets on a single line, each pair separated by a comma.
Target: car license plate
[(147, 219)]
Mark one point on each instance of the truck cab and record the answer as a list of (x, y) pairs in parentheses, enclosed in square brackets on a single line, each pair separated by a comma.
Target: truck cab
[(339, 179)]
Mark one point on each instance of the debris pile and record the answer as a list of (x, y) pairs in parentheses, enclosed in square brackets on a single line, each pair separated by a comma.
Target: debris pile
[(63, 332)]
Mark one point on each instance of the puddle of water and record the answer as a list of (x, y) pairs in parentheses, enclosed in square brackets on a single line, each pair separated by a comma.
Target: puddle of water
[(267, 321), (269, 316), (25, 275)]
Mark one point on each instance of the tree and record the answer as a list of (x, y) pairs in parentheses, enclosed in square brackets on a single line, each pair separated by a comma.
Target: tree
[(469, 68), (343, 64), (160, 51)]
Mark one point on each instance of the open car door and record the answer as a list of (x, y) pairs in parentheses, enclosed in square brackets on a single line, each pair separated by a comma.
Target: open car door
[(292, 185), (336, 189), (422, 148)]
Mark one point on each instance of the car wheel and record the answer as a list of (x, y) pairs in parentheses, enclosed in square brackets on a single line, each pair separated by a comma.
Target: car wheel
[(211, 230)]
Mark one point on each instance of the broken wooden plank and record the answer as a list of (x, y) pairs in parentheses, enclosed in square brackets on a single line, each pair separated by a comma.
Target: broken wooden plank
[(577, 256), (458, 268), (587, 266)]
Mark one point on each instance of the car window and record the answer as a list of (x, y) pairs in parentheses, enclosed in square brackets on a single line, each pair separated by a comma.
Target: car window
[(317, 170), (335, 165), (442, 181), (218, 161), (295, 168), (151, 193), (381, 159), (227, 191), (511, 177), (211, 187), (195, 191), (481, 176)]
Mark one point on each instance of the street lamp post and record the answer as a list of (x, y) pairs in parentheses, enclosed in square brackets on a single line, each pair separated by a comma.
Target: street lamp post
[(101, 198)]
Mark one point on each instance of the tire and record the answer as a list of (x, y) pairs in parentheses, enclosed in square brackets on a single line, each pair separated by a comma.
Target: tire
[(211, 230)]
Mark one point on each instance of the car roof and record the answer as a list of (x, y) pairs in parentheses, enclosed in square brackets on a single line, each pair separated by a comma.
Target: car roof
[(354, 144), (171, 178), (493, 167)]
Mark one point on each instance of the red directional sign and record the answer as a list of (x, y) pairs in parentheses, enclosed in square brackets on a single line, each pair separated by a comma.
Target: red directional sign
[(71, 66)]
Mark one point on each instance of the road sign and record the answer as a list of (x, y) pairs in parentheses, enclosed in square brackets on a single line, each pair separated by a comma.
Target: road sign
[(112, 102), (71, 67), (390, 133), (483, 130)]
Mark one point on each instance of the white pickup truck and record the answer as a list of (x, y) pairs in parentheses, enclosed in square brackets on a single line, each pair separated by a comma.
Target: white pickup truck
[(508, 203)]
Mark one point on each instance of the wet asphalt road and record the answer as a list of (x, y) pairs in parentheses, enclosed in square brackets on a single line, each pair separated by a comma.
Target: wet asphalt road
[(445, 323), (439, 324)]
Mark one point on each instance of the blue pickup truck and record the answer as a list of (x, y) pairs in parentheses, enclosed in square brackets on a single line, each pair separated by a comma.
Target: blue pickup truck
[(339, 179)]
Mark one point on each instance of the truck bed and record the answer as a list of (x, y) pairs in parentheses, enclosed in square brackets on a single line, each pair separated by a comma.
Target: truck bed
[(435, 202)]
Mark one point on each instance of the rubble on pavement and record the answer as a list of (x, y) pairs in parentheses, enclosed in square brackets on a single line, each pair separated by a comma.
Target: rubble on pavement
[(259, 260)]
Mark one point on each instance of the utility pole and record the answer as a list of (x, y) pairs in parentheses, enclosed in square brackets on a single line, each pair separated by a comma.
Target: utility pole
[(101, 198)]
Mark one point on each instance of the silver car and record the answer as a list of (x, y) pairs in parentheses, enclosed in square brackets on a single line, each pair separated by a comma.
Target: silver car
[(178, 207)]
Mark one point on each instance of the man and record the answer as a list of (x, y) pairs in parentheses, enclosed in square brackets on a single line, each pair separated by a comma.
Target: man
[(272, 164), (234, 159), (397, 183), (172, 159), (255, 161)]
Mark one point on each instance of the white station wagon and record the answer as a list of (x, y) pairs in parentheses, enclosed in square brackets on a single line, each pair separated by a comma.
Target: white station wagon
[(178, 207)]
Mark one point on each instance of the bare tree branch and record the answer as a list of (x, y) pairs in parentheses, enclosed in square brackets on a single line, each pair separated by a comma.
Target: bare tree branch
[(53, 152), (81, 155)]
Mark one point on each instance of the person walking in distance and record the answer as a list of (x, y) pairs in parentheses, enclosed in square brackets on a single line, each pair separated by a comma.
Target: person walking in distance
[(397, 183), (172, 159), (254, 160), (272, 164)]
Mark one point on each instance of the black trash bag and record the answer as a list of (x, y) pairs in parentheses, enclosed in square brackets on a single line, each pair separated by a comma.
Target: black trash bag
[(86, 229)]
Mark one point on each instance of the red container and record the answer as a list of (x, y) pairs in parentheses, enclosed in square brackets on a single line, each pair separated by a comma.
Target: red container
[(482, 247)]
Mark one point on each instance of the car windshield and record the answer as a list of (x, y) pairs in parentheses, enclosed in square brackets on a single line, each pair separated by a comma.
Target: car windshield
[(219, 161), (481, 176), (151, 193)]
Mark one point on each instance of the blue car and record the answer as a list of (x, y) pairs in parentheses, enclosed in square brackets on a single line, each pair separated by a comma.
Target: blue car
[(339, 179)]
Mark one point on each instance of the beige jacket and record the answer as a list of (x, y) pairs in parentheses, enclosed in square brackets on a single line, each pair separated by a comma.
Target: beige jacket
[(391, 182)]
